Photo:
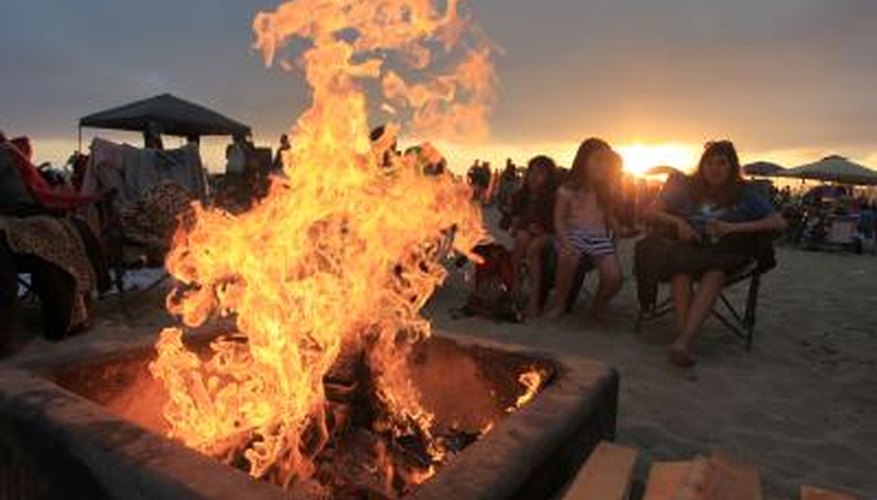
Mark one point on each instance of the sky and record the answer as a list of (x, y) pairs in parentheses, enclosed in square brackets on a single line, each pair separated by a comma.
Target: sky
[(787, 80)]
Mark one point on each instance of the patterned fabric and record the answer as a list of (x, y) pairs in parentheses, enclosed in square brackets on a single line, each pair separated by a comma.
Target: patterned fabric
[(153, 220), (590, 244), (56, 241)]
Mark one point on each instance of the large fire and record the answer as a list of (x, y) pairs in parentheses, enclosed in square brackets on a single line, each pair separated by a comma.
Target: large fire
[(344, 251)]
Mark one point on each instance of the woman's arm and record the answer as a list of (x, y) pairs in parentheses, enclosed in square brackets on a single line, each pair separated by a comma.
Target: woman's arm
[(658, 213), (773, 223), (560, 210)]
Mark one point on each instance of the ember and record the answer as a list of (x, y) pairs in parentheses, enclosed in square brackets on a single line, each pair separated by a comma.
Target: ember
[(325, 278)]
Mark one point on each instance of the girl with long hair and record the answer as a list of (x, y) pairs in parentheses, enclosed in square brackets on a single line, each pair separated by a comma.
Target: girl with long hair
[(584, 218), (533, 225), (714, 215)]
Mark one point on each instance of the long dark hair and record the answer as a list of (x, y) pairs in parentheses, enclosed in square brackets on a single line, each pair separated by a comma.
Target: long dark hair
[(580, 177), (727, 193), (541, 162), (546, 164)]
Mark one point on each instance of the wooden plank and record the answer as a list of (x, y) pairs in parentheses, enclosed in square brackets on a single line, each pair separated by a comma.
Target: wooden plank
[(666, 479), (694, 483), (731, 479), (606, 475), (814, 493)]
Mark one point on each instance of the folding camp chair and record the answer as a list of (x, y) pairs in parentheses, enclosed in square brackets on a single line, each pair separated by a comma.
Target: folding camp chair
[(740, 320)]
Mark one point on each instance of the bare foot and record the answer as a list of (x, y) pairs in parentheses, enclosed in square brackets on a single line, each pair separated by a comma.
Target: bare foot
[(680, 357), (600, 314), (554, 313)]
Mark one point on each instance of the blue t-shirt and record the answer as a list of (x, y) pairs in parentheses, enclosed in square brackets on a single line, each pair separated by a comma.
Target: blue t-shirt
[(751, 205)]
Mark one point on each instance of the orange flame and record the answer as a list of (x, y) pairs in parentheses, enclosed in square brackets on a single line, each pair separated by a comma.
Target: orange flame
[(342, 250), (531, 380)]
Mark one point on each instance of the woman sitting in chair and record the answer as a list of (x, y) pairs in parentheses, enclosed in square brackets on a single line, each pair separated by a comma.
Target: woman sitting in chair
[(38, 237), (714, 215), (532, 226), (586, 225)]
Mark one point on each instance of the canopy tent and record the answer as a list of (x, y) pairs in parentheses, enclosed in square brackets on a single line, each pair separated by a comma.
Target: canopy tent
[(763, 169), (165, 114), (834, 169)]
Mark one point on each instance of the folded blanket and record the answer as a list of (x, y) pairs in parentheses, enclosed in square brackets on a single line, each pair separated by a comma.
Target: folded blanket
[(658, 258), (55, 241), (153, 220)]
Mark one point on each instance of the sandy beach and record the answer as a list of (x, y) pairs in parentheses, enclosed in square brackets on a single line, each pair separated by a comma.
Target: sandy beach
[(801, 407)]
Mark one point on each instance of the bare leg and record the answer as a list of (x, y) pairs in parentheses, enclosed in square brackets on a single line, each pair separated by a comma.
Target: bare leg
[(534, 272), (681, 299), (704, 299), (609, 269), (568, 261), (519, 254)]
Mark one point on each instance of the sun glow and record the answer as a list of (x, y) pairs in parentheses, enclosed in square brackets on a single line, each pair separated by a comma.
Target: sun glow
[(639, 158)]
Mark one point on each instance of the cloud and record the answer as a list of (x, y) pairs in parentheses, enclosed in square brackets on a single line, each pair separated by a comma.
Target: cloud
[(772, 74)]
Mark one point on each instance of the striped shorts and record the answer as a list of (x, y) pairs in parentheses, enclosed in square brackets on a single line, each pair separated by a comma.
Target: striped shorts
[(592, 245)]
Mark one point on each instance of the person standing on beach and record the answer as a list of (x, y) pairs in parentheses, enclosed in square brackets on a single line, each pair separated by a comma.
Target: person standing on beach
[(584, 218), (867, 226), (282, 153), (235, 157), (508, 186)]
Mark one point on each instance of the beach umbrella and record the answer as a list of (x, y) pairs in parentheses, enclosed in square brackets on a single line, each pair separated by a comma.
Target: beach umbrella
[(663, 170), (763, 169), (834, 169), (169, 115)]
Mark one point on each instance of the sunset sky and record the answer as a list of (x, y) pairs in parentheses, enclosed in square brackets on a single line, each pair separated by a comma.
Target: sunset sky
[(788, 80)]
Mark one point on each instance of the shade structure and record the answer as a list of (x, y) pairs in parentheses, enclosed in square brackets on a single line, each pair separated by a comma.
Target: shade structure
[(834, 169), (763, 169), (167, 114)]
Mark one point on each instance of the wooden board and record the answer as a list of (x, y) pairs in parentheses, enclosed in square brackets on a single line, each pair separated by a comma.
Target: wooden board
[(606, 475), (814, 493), (731, 479), (666, 479), (694, 483)]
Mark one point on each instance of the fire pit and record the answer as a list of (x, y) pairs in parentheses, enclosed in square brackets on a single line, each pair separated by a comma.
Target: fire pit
[(90, 425)]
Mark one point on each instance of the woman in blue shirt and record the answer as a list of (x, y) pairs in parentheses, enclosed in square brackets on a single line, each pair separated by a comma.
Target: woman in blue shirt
[(714, 213)]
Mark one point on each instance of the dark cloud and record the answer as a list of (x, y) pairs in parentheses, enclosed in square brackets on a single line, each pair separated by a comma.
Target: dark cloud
[(772, 73)]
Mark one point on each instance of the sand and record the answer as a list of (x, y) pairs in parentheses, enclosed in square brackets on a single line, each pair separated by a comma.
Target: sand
[(801, 407)]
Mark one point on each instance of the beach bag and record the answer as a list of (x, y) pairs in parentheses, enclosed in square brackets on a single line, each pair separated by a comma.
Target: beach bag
[(491, 296)]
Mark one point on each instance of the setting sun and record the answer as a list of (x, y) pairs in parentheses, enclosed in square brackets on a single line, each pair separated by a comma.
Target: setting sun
[(639, 158)]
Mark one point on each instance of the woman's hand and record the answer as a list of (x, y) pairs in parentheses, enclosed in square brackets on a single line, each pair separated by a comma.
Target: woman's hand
[(720, 229), (685, 232)]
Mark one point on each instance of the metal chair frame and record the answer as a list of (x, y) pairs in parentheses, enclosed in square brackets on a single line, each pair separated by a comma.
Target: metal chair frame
[(739, 320)]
